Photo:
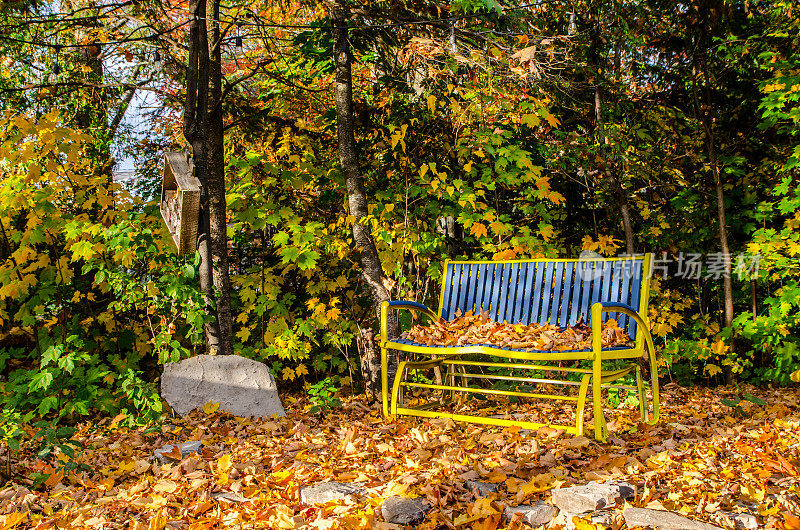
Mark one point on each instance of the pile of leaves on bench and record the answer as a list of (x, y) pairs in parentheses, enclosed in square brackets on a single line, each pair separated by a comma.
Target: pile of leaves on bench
[(470, 328)]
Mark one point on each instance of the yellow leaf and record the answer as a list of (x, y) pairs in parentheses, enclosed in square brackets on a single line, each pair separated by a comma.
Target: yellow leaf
[(224, 463), (165, 486), (13, 519), (301, 370), (288, 374), (719, 348), (795, 376), (431, 103), (582, 524), (159, 521), (210, 408), (540, 483), (478, 230)]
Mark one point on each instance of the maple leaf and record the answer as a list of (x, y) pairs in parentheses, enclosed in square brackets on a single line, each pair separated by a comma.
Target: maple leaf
[(210, 408), (478, 230)]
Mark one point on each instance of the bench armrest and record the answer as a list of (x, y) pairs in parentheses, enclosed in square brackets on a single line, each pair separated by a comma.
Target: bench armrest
[(619, 307), (610, 306), (401, 304)]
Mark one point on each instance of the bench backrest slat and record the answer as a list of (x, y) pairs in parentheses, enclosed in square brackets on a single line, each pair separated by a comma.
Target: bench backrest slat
[(507, 284), (547, 293), (635, 296), (544, 291), (569, 273), (558, 286)]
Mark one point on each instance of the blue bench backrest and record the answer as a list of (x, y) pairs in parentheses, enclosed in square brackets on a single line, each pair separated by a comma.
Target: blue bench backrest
[(544, 291)]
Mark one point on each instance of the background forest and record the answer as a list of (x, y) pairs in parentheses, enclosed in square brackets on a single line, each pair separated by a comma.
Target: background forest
[(483, 130)]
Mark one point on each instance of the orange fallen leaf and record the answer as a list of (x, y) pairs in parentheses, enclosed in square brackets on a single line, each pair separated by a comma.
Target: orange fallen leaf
[(791, 522), (13, 519)]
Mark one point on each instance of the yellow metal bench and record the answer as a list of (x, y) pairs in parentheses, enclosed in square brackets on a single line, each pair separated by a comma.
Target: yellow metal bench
[(557, 292)]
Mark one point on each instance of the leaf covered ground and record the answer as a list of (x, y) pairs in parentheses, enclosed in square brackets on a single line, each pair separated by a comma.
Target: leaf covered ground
[(702, 458)]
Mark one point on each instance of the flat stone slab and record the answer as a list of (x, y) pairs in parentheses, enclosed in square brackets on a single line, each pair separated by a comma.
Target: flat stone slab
[(740, 521), (539, 514), (241, 386), (186, 448), (402, 510), (484, 489), (663, 520), (323, 492), (228, 496), (591, 497)]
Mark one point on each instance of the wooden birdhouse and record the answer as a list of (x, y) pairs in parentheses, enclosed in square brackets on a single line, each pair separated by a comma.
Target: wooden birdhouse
[(180, 200)]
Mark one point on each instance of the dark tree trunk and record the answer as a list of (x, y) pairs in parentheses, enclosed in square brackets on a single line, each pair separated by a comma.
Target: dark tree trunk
[(215, 174), (610, 174), (609, 170), (202, 127), (371, 269)]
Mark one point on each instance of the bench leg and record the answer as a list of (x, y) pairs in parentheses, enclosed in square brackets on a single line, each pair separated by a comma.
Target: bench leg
[(600, 429), (385, 382), (643, 409), (398, 378), (584, 389), (654, 379)]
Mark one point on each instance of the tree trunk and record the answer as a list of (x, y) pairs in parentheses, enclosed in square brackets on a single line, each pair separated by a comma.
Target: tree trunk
[(215, 175), (202, 127), (704, 111), (372, 271), (620, 198), (609, 170)]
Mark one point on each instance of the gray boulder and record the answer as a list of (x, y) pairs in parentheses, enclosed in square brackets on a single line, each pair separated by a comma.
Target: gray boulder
[(592, 496), (241, 386), (662, 520), (323, 492), (539, 514), (402, 510), (740, 521)]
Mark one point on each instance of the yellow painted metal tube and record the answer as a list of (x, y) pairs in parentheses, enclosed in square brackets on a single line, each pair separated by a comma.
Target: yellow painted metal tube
[(384, 360), (651, 350), (401, 368), (489, 391), (581, 403), (600, 429), (521, 379), (514, 366), (500, 422), (506, 354), (642, 394), (616, 374)]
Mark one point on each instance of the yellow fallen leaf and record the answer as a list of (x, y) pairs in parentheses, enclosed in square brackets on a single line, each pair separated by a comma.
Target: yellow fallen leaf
[(496, 477), (165, 486), (158, 522), (13, 519), (223, 463), (210, 408), (540, 483)]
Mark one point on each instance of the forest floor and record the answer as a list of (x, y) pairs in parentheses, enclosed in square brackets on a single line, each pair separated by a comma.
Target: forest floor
[(703, 458)]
